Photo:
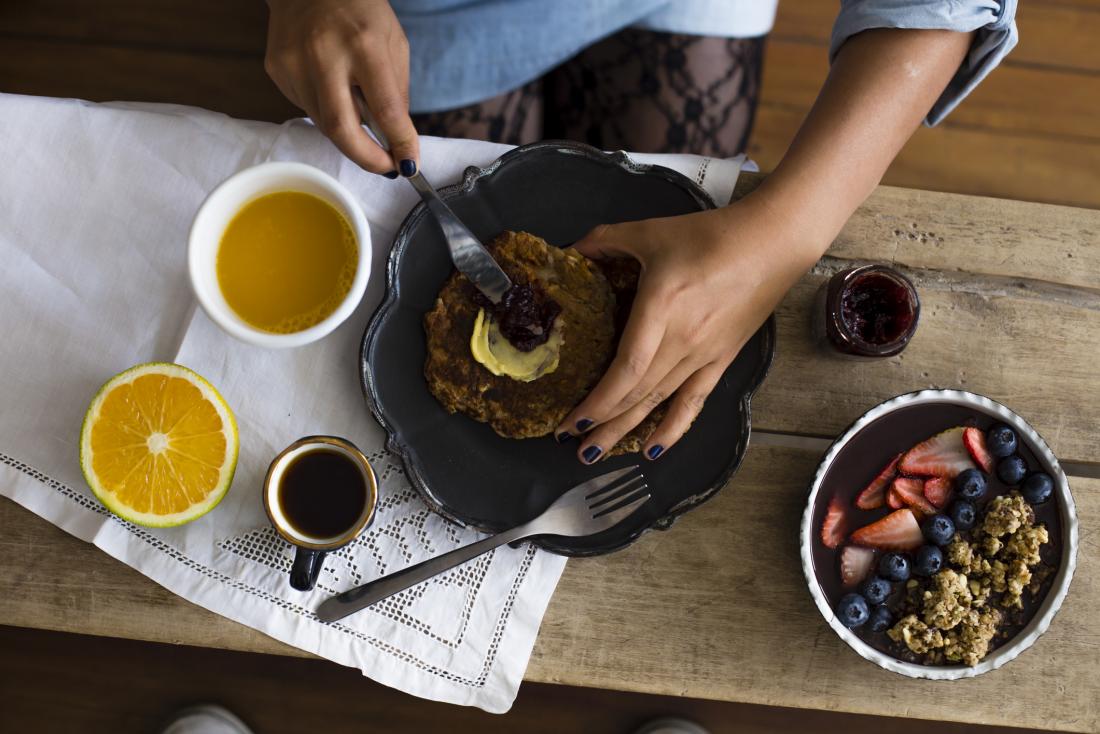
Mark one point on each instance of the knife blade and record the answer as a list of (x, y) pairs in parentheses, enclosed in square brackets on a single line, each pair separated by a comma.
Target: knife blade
[(468, 254)]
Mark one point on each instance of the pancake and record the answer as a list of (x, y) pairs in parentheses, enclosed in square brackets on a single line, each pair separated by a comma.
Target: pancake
[(593, 308)]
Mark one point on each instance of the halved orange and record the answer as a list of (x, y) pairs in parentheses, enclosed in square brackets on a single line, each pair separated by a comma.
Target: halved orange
[(159, 445)]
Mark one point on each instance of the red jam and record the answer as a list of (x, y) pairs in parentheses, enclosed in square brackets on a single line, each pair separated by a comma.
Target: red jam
[(876, 308), (869, 311), (525, 315)]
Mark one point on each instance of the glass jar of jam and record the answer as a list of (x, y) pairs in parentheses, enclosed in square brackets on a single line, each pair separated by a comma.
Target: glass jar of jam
[(866, 312)]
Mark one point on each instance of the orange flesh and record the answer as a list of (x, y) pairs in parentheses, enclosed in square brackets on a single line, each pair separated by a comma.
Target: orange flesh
[(286, 261), (158, 444)]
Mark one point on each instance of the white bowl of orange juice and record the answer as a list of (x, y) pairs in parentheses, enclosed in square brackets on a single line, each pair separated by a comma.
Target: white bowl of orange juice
[(279, 254)]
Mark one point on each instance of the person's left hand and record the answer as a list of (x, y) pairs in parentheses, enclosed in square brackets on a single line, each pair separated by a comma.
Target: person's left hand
[(708, 281)]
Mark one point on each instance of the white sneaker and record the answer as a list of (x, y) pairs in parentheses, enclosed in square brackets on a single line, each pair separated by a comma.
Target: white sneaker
[(671, 725), (205, 719)]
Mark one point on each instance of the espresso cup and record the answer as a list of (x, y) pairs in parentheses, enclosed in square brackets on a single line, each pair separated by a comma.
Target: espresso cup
[(312, 498)]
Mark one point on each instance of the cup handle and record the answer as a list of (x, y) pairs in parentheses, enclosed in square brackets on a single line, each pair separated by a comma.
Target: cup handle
[(306, 568)]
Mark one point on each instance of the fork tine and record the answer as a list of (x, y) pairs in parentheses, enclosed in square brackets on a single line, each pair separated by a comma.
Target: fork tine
[(620, 490), (595, 484), (617, 514), (620, 502), (605, 482)]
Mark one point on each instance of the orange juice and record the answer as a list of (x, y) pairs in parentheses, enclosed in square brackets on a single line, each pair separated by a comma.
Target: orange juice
[(286, 261)]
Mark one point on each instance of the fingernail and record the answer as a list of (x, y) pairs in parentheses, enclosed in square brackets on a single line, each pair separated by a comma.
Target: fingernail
[(655, 451), (563, 437), (584, 424), (408, 167), (591, 453), (391, 175)]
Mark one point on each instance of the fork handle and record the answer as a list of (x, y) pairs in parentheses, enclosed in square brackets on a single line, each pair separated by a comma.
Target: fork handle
[(351, 601)]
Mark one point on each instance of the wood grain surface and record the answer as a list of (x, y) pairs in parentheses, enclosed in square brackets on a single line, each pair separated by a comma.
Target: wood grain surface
[(1028, 132), (994, 106), (48, 672), (1010, 298), (30, 66), (718, 608), (1054, 34), (964, 160)]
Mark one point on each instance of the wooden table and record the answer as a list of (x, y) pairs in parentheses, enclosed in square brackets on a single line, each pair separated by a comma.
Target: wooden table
[(718, 608)]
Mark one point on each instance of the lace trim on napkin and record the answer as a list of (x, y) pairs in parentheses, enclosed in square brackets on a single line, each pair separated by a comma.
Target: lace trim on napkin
[(264, 546)]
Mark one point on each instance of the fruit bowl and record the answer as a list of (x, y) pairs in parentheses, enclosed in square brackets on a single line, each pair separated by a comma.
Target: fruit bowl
[(907, 435)]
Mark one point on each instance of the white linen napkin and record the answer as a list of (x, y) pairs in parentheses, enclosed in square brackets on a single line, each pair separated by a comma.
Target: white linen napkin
[(95, 206)]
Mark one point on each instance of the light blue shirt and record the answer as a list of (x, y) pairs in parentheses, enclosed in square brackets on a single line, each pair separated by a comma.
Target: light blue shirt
[(466, 51), (994, 23)]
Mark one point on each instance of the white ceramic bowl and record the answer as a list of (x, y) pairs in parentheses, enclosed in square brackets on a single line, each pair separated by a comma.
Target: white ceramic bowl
[(222, 205), (1055, 595)]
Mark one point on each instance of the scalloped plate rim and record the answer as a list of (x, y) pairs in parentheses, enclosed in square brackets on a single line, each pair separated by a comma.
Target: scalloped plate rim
[(472, 175)]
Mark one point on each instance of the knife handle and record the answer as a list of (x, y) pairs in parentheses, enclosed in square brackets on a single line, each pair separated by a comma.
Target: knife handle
[(368, 119), (467, 252)]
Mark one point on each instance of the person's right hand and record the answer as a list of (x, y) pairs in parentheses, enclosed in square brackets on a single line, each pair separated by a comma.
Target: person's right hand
[(317, 50)]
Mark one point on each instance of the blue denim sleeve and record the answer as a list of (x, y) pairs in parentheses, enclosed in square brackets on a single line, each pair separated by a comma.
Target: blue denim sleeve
[(993, 20)]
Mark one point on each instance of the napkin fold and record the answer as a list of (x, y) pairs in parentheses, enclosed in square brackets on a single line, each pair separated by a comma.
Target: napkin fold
[(96, 201)]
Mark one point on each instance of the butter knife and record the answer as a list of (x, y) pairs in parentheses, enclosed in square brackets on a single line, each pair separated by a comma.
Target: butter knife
[(469, 255)]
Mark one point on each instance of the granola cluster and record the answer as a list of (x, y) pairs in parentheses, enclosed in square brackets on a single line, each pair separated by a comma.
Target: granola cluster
[(956, 615)]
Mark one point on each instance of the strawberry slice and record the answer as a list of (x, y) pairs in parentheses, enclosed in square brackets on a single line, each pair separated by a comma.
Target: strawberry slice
[(911, 493), (897, 531), (937, 490), (855, 564), (943, 455), (893, 499), (974, 441), (835, 526), (874, 495)]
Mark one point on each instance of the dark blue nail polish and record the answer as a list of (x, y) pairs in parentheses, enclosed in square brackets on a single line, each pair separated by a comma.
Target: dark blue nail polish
[(584, 424), (563, 437), (591, 453), (655, 451), (408, 167), (391, 175)]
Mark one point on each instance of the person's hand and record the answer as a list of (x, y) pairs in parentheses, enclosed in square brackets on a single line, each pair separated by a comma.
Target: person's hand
[(317, 50), (708, 281)]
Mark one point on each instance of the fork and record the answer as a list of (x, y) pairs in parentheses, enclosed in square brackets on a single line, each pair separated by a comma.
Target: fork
[(589, 508)]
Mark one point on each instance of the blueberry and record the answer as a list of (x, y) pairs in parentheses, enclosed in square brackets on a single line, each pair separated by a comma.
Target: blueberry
[(852, 610), (963, 514), (929, 560), (939, 530), (876, 589), (970, 484), (894, 566), (1011, 469), (1000, 440), (1037, 487), (881, 619)]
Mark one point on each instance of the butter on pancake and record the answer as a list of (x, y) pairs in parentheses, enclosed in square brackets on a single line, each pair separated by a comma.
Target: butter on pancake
[(494, 352)]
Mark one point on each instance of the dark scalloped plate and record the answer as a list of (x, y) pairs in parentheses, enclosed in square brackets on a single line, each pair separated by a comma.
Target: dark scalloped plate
[(465, 471)]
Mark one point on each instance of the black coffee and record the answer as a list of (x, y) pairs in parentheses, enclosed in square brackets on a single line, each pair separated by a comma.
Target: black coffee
[(322, 493)]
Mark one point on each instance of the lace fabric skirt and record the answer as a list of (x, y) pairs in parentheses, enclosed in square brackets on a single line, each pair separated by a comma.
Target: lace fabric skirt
[(636, 90)]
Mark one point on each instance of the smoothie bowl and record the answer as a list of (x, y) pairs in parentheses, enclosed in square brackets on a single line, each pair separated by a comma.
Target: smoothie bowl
[(940, 535)]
